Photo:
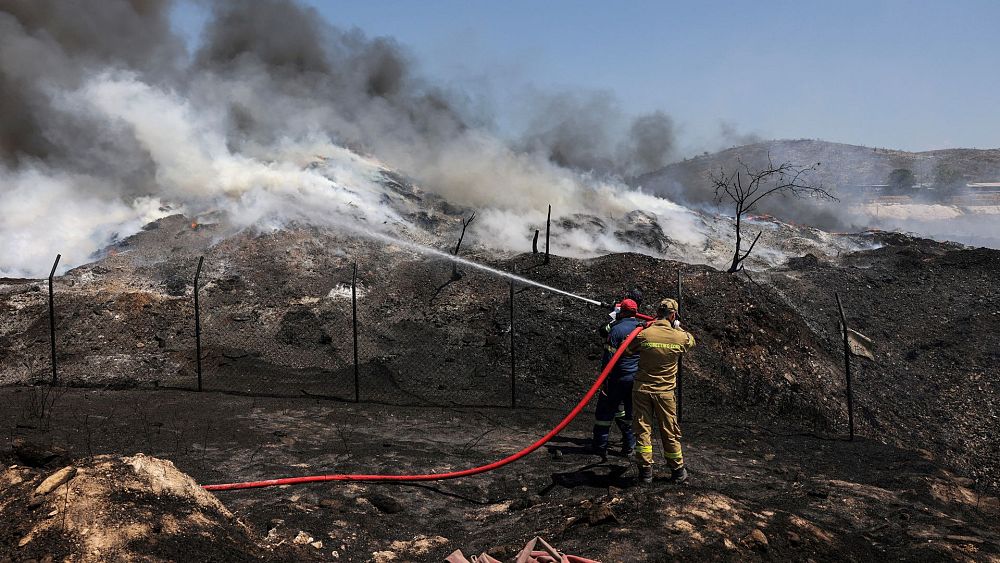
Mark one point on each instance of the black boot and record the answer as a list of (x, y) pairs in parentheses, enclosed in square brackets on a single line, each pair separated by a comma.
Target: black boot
[(593, 449), (628, 449), (645, 474), (679, 475)]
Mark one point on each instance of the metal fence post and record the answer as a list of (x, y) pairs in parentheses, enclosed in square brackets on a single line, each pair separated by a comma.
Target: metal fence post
[(513, 369), (847, 368), (52, 318), (680, 358), (548, 225), (354, 324), (197, 320)]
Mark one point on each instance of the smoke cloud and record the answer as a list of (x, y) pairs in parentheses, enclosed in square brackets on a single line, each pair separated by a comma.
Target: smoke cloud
[(590, 133), (108, 122)]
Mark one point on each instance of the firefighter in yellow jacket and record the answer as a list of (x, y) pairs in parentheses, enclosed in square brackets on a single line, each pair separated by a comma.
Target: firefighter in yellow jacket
[(659, 346)]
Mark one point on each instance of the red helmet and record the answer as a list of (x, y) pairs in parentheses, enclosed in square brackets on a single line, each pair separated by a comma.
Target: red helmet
[(628, 306)]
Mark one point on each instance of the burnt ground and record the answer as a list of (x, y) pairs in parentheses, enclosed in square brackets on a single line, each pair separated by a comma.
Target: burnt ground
[(808, 497), (766, 379), (933, 312)]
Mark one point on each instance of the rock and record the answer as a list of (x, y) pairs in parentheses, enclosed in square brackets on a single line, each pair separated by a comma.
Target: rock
[(303, 538), (317, 544), (793, 538), (52, 482), (600, 514), (682, 526), (756, 539), (386, 504), (14, 478)]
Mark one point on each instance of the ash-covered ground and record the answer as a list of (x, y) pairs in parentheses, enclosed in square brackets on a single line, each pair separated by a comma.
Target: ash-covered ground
[(764, 407)]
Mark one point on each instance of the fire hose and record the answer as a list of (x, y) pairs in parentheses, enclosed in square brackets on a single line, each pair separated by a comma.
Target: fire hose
[(450, 474)]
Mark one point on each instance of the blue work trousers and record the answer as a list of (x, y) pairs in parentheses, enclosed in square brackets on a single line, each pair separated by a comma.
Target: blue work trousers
[(614, 405)]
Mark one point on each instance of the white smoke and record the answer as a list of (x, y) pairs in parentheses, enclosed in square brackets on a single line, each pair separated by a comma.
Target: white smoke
[(48, 211), (44, 213)]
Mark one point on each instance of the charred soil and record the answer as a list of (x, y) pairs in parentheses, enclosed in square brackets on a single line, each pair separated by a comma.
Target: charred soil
[(764, 409)]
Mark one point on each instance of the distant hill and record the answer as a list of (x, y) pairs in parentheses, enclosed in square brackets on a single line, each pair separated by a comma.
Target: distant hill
[(843, 168)]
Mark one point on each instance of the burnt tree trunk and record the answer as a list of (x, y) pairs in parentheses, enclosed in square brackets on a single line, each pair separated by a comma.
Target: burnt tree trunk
[(534, 243), (736, 254), (454, 265)]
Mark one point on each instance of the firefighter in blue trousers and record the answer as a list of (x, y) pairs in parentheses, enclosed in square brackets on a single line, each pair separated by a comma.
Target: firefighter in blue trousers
[(614, 402)]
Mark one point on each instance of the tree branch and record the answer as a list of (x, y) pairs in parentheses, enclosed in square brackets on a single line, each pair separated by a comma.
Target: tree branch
[(746, 187)]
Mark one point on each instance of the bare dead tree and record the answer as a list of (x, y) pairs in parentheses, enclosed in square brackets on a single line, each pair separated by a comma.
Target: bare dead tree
[(746, 186), (465, 225)]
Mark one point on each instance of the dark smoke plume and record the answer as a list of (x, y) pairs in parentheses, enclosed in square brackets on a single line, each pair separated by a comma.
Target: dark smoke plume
[(48, 45), (649, 145), (590, 133)]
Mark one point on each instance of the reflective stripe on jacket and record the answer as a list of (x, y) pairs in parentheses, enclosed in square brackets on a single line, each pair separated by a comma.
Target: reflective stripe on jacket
[(659, 346)]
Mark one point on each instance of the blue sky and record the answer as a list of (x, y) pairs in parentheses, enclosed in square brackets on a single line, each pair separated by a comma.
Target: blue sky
[(913, 75)]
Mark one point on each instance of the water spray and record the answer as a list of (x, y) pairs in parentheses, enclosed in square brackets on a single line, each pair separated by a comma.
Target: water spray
[(465, 262)]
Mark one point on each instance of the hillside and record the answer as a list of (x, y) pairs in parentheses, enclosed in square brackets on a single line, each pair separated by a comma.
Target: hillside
[(848, 172), (843, 167)]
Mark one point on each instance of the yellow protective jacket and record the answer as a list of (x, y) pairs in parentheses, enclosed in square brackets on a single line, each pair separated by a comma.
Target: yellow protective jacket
[(659, 347)]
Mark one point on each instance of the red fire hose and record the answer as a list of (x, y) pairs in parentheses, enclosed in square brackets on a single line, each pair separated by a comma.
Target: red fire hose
[(451, 474)]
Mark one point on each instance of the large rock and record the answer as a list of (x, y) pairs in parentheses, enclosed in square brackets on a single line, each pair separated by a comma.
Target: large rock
[(56, 480)]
